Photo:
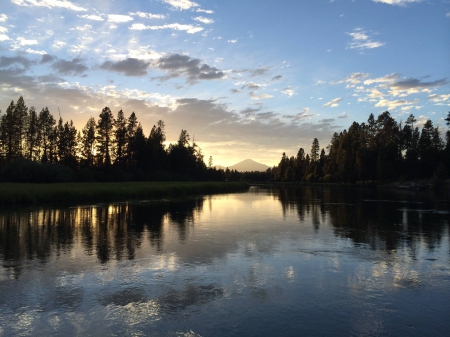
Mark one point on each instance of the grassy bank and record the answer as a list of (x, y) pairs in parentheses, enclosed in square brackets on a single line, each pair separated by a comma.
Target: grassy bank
[(11, 193)]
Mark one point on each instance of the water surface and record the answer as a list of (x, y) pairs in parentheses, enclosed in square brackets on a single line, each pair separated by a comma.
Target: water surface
[(272, 261)]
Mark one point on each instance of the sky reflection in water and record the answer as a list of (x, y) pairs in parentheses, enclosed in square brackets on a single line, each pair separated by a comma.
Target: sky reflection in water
[(278, 261)]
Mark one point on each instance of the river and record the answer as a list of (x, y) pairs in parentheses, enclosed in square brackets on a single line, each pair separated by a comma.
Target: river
[(273, 261)]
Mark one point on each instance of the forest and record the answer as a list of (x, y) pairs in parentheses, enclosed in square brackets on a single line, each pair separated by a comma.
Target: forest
[(36, 147), (380, 151)]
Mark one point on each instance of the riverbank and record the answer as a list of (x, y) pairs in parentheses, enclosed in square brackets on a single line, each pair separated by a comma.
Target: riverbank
[(11, 194)]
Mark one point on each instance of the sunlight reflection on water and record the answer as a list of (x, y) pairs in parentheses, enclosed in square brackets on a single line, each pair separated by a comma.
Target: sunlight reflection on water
[(272, 261)]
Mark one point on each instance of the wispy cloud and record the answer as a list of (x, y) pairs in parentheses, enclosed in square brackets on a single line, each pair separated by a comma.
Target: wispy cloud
[(203, 20), (207, 11), (439, 98), (361, 40), (288, 91), (181, 4), (119, 18), (397, 2), (49, 4), (394, 104), (174, 26), (355, 78), (94, 17), (149, 15), (333, 103)]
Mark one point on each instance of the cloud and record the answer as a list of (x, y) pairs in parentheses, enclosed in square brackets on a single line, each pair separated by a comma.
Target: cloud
[(203, 20), (360, 40), (149, 15), (265, 115), (49, 4), (46, 59), (414, 85), (117, 18), (143, 53), (6, 61), (355, 78), (181, 4), (248, 112), (397, 2), (394, 104), (254, 96), (327, 120), (49, 79), (175, 26), (301, 116), (37, 52), (384, 79), (3, 17), (344, 115), (333, 103), (235, 91), (207, 11), (4, 37), (24, 42), (182, 65), (92, 17), (278, 77), (252, 86), (439, 98), (74, 67), (288, 91), (233, 41), (129, 67)]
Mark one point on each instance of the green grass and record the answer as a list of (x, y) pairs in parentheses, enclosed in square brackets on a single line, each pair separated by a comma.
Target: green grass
[(11, 193)]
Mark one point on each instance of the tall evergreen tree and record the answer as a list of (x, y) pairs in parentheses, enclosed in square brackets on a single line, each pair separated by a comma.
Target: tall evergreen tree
[(88, 145), (105, 133), (32, 135), (120, 139), (156, 147), (132, 125), (46, 123)]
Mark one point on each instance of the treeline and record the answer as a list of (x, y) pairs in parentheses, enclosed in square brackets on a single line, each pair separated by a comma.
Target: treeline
[(35, 147), (380, 150)]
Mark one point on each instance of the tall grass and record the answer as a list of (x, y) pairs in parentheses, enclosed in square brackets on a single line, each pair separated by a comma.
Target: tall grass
[(11, 193)]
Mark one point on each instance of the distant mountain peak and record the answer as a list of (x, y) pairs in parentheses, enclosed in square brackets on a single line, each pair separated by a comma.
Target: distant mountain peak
[(246, 165)]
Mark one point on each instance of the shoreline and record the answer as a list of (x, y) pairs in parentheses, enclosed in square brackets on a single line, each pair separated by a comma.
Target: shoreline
[(63, 193)]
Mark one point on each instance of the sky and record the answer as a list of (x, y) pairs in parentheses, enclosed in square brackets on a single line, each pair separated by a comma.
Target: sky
[(245, 78)]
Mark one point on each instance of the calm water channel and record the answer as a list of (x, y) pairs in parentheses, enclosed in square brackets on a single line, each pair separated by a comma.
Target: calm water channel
[(268, 262)]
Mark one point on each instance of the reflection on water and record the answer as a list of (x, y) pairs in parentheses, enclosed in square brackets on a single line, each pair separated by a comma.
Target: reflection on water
[(273, 261)]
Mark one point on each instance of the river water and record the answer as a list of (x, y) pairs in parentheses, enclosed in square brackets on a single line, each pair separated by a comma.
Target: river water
[(269, 262)]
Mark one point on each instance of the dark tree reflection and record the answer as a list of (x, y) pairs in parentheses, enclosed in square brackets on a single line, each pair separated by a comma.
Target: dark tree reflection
[(386, 220), (107, 231)]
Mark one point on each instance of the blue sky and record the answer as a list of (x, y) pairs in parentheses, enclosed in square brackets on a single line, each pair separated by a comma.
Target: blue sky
[(247, 79)]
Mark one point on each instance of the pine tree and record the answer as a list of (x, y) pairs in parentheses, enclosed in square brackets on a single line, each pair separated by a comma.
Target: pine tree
[(46, 123), (88, 145), (132, 125), (315, 150), (32, 135), (105, 132), (120, 139)]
